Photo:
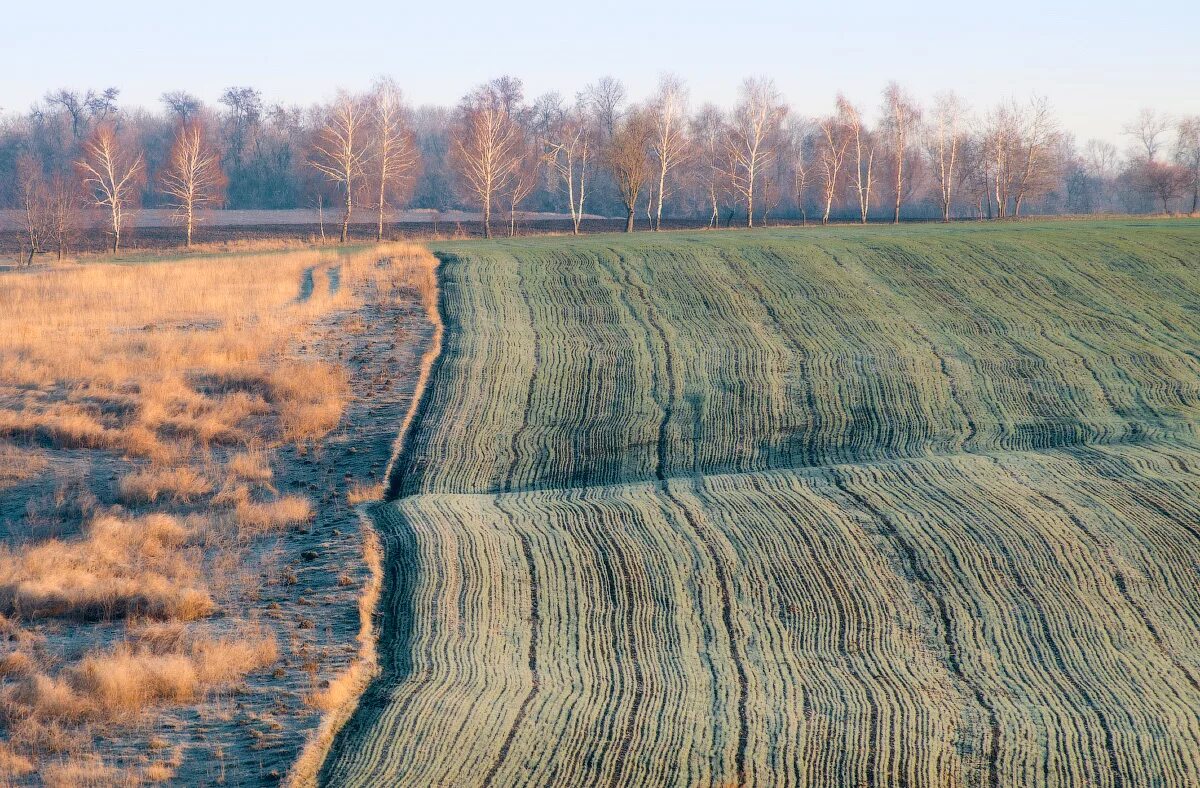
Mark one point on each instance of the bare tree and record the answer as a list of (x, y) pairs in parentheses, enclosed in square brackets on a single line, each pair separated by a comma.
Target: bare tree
[(242, 119), (800, 138), (85, 109), (63, 200), (864, 153), (34, 200), (627, 157), (1002, 144), (834, 144), (395, 155), (1037, 137), (340, 150), (750, 135), (1162, 181), (191, 177), (486, 146), (183, 105), (604, 98), (568, 153), (669, 143), (901, 116), (1147, 131), (113, 174), (1187, 154), (525, 176), (708, 135), (75, 107), (942, 144), (974, 173)]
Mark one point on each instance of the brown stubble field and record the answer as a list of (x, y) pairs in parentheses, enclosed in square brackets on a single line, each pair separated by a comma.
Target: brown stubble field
[(183, 444)]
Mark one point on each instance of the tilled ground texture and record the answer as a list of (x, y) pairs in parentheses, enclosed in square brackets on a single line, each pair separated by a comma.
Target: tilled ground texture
[(854, 507)]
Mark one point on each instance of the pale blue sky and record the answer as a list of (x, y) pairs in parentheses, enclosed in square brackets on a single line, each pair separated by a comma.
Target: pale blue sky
[(1097, 61)]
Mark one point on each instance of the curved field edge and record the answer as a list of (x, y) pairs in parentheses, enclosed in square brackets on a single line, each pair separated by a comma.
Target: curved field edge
[(344, 692)]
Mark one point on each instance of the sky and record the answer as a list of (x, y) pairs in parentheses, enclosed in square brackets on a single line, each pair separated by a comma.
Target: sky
[(1098, 62)]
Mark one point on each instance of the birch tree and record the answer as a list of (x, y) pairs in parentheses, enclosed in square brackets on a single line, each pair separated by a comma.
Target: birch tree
[(1000, 144), (750, 135), (34, 201), (191, 177), (112, 173), (708, 135), (864, 153), (395, 156), (340, 151), (834, 143), (569, 154), (486, 147), (901, 116), (942, 145), (669, 142)]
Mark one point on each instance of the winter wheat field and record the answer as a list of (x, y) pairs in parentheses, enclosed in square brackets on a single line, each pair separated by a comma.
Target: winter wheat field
[(840, 506), (886, 506)]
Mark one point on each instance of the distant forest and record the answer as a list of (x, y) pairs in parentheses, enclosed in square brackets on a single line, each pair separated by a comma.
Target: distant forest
[(498, 152)]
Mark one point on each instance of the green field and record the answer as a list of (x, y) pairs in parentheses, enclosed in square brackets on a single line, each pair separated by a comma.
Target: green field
[(829, 507)]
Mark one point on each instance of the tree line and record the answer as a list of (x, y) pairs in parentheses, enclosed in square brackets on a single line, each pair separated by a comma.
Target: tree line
[(596, 153)]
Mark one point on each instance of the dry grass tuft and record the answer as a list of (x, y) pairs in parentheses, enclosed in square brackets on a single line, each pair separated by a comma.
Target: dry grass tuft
[(17, 464), (364, 493), (259, 518), (84, 772), (121, 567), (178, 485), (13, 764), (250, 466), (123, 682)]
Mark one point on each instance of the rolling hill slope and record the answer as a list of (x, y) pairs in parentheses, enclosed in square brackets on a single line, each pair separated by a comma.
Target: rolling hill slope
[(855, 506)]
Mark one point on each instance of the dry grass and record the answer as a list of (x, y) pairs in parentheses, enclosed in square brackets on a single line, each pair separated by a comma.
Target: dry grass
[(148, 566), (178, 485), (85, 772), (17, 465), (186, 376), (361, 492), (12, 764), (121, 683), (252, 465), (273, 515), (136, 676)]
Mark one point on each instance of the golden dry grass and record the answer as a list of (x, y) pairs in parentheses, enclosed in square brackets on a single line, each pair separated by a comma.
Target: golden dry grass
[(17, 464), (121, 567), (148, 485), (185, 375)]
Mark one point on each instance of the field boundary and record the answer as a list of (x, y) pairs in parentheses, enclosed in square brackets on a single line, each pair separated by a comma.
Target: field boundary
[(435, 310), (348, 688)]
